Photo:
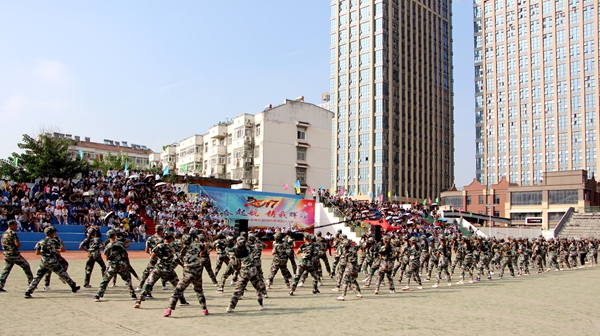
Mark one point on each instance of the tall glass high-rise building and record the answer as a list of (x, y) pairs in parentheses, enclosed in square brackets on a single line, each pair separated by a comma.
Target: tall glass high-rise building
[(536, 69), (391, 92)]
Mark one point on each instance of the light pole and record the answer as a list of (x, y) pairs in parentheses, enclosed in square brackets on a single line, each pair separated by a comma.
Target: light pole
[(490, 207)]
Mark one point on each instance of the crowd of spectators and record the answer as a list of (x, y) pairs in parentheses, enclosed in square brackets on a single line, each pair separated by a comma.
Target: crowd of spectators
[(398, 218)]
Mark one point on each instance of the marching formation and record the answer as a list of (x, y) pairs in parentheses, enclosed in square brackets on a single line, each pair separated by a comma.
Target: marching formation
[(393, 259)]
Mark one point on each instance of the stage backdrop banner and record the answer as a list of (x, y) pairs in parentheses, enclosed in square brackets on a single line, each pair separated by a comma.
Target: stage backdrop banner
[(263, 209)]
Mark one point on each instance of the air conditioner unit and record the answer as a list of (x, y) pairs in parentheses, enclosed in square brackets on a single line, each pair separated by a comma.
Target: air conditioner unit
[(249, 123), (254, 181), (248, 139), (248, 181)]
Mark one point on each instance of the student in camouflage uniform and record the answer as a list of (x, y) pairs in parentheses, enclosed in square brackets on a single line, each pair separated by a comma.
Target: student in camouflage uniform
[(306, 252), (257, 248), (593, 251), (206, 259), (386, 264), (290, 250), (523, 256), (374, 261), (506, 252), (443, 255), (60, 246), (92, 245), (553, 254), (279, 261), (164, 268), (467, 264), (336, 256), (116, 255), (573, 253), (341, 266), (433, 258), (485, 254), (424, 258), (536, 255), (459, 255), (367, 250), (497, 256), (363, 245), (248, 273), (401, 258), (220, 245), (322, 244), (232, 267), (12, 256), (49, 263), (413, 264), (192, 274), (151, 243), (351, 272), (582, 249)]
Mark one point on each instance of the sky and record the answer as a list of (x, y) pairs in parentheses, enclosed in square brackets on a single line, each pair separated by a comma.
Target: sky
[(155, 72)]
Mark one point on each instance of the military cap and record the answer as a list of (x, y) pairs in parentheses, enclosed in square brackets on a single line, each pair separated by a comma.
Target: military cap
[(158, 228), (241, 240), (278, 236), (168, 235), (186, 239), (347, 244), (49, 230), (251, 238), (413, 239)]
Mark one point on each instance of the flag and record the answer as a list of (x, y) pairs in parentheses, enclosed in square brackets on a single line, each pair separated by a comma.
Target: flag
[(406, 195), (184, 167), (429, 200), (370, 195), (424, 201), (16, 161), (394, 196), (166, 170), (389, 194), (341, 191), (297, 191), (437, 200), (285, 186), (80, 154), (360, 193), (331, 191), (380, 197), (126, 166), (310, 191), (98, 157), (470, 214), (351, 192), (297, 184)]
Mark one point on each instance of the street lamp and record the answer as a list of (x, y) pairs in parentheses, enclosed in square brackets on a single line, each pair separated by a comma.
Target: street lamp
[(490, 208)]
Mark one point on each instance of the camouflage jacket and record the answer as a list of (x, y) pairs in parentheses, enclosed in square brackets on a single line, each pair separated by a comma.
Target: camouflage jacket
[(153, 241), (9, 243), (165, 257), (116, 253), (92, 244), (386, 252), (47, 249), (190, 255), (413, 253), (220, 245), (351, 255), (306, 254), (279, 251)]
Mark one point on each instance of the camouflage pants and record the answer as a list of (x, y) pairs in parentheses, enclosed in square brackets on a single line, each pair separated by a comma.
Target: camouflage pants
[(523, 264), (277, 265), (424, 262), (147, 271), (553, 261), (222, 259), (300, 270), (442, 266), (340, 274), (507, 261), (190, 276), (593, 257), (374, 268), (89, 266), (361, 261), (466, 267), (413, 272), (401, 266), (385, 270), (63, 263), (483, 264), (367, 264), (208, 267), (432, 263), (113, 270), (323, 257), (537, 262), (45, 269), (350, 278), (233, 268), (292, 259), (170, 277), (247, 274), (573, 260), (456, 262), (9, 262), (495, 261)]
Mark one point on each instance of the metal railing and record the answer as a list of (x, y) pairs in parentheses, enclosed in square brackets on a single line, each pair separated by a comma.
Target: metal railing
[(563, 221), (355, 226)]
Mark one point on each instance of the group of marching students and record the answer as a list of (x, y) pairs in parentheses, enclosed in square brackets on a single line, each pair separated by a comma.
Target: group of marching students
[(389, 257)]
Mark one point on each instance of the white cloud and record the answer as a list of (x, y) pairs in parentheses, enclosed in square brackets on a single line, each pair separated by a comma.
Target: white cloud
[(53, 72)]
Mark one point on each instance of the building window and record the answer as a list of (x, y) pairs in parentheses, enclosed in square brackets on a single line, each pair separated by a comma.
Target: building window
[(468, 200), (256, 152), (481, 199), (523, 215), (526, 198), (453, 201), (496, 199), (301, 174), (301, 154), (257, 131), (563, 196), (301, 133)]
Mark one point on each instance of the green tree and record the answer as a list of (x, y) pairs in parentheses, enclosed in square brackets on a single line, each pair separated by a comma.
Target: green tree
[(42, 157)]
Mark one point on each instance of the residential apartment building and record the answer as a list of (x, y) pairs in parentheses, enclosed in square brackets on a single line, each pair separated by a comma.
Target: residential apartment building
[(391, 90), (138, 154), (266, 151), (536, 88)]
